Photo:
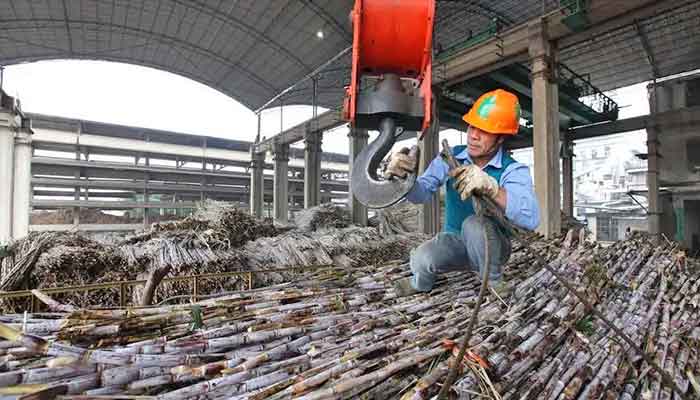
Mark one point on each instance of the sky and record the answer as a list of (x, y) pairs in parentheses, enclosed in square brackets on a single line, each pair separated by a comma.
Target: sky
[(144, 97)]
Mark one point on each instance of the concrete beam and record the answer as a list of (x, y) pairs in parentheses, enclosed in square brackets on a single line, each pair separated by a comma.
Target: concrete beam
[(324, 122), (22, 187), (545, 109), (128, 188), (112, 170), (109, 205), (295, 164), (512, 45), (609, 16), (312, 168), (68, 141), (358, 141), (95, 195), (280, 186), (86, 227), (673, 118)]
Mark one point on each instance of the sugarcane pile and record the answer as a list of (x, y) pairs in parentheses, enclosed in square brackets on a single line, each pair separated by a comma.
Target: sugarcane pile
[(206, 242), (324, 216), (218, 224), (347, 248), (327, 336), (23, 255), (218, 238), (51, 259)]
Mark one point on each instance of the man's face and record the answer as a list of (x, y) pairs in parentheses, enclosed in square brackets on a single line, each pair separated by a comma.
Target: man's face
[(482, 144)]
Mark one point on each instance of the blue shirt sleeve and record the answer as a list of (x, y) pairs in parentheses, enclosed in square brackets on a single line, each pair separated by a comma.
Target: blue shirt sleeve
[(428, 183), (521, 207)]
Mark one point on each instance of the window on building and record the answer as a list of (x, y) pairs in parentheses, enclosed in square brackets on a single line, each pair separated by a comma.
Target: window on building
[(692, 148), (607, 151), (692, 93), (606, 228)]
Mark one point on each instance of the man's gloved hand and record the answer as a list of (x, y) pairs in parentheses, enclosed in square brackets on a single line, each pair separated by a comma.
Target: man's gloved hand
[(470, 179), (400, 164)]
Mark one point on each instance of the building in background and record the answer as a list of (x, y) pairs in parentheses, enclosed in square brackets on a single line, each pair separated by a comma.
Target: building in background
[(679, 159), (610, 173), (602, 184)]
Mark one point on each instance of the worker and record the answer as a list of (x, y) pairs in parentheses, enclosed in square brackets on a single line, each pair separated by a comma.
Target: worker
[(485, 169)]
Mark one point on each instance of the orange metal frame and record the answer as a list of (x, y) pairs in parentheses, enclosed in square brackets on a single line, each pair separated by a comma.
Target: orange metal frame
[(392, 36)]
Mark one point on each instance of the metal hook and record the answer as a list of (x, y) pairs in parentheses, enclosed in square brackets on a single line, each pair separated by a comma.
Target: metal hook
[(367, 187)]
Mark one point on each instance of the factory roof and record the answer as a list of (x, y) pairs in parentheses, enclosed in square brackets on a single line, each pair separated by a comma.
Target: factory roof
[(252, 50)]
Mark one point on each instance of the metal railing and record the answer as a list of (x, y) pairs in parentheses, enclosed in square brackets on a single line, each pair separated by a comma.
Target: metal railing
[(582, 88), (124, 285)]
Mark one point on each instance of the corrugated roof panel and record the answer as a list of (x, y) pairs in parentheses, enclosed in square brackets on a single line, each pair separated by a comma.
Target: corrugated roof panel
[(250, 49)]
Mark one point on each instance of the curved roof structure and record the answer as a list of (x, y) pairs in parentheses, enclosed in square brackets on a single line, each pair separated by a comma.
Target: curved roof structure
[(247, 49), (251, 50)]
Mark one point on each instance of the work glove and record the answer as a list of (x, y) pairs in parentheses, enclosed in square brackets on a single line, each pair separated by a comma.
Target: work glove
[(400, 164), (470, 179)]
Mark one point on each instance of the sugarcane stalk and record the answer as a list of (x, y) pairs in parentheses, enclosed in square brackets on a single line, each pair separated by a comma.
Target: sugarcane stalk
[(53, 304)]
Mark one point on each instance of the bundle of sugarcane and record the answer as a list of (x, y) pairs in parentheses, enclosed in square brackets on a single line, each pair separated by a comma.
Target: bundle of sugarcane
[(326, 336), (347, 247), (239, 226), (324, 216), (177, 252), (26, 252), (213, 221), (65, 258), (22, 257), (227, 261), (402, 217)]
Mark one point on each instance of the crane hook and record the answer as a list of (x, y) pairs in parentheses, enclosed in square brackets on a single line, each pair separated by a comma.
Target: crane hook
[(367, 187)]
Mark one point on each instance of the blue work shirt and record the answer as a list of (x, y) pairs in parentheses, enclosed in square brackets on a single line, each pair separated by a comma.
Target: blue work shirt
[(521, 204)]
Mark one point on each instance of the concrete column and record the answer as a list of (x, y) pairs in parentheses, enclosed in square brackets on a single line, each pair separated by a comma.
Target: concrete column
[(22, 180), (429, 149), (257, 165), (567, 166), (653, 181), (202, 183), (78, 175), (312, 168), (358, 141), (8, 125), (83, 175), (146, 197), (545, 105), (76, 194), (280, 196)]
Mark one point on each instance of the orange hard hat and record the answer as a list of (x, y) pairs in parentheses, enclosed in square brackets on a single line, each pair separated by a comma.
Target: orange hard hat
[(497, 111)]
